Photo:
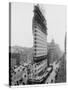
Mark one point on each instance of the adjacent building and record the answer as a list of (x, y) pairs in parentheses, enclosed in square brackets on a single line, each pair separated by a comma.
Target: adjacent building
[(54, 52)]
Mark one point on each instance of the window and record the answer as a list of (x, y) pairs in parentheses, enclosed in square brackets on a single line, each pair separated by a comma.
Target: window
[(35, 42), (35, 38), (34, 49), (35, 30), (52, 81), (35, 46), (35, 34), (35, 26), (24, 75)]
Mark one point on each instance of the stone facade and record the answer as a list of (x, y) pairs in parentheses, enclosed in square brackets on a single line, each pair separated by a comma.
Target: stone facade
[(39, 35)]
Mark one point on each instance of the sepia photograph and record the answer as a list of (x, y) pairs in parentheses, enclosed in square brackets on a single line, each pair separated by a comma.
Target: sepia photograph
[(37, 43)]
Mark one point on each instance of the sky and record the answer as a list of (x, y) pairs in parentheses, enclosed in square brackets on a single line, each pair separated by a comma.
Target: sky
[(21, 23)]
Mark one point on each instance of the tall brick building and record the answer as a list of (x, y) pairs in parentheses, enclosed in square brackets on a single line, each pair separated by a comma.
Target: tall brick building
[(39, 35)]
